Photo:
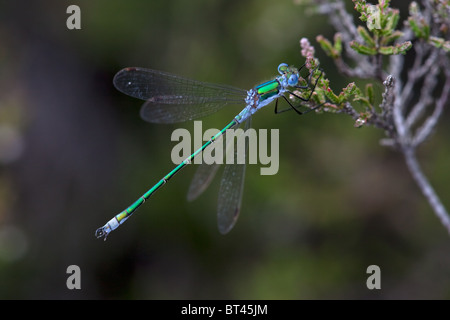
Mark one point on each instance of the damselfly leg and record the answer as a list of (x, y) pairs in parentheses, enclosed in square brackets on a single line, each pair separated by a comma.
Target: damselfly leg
[(304, 87)]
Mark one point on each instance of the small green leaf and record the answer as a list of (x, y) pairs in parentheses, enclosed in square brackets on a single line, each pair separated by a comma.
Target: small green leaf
[(417, 22), (360, 6), (350, 90), (425, 28), (386, 50), (363, 99), (325, 44), (418, 31), (329, 48), (338, 43), (369, 93), (392, 37), (362, 49), (332, 96), (366, 36), (400, 48), (440, 43), (391, 20)]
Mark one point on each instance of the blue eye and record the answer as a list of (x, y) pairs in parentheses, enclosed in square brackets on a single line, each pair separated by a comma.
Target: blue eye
[(282, 68), (293, 80)]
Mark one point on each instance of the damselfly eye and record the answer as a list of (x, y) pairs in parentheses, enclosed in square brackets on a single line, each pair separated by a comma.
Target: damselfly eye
[(293, 80), (282, 68)]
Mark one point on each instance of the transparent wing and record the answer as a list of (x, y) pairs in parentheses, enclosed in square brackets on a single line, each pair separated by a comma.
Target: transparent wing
[(171, 98), (202, 178), (231, 189), (205, 173)]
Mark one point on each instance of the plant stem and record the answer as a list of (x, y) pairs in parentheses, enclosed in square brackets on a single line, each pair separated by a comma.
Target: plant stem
[(425, 186)]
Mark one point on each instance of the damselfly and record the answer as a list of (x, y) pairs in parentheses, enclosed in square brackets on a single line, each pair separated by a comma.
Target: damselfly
[(171, 98)]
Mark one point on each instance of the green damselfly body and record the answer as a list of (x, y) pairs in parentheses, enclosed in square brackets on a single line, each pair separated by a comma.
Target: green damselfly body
[(171, 98)]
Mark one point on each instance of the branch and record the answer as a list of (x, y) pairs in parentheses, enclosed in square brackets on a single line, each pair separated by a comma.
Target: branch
[(426, 187), (426, 129), (405, 101), (425, 99), (343, 22)]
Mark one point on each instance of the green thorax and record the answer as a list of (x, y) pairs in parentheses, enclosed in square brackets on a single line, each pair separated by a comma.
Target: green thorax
[(268, 89)]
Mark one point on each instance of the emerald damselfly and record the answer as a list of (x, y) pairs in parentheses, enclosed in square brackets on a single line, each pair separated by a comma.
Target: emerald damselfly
[(171, 98)]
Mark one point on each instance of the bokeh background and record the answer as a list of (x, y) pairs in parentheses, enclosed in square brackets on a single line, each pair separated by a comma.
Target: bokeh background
[(74, 152)]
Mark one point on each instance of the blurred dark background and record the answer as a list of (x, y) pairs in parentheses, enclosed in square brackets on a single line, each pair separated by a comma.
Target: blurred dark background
[(74, 152)]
